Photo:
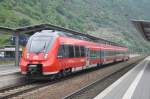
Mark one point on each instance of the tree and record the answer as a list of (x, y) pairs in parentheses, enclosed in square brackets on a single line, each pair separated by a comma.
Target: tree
[(24, 22)]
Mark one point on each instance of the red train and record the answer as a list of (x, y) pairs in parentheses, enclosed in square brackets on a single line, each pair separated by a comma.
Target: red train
[(55, 53)]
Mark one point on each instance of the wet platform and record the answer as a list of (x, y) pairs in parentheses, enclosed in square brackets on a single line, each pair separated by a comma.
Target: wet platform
[(6, 69), (135, 84)]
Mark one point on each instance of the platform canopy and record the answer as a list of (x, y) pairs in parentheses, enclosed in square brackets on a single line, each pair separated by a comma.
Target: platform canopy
[(143, 27), (35, 28)]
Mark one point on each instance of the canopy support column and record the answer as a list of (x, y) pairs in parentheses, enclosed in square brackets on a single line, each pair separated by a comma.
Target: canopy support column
[(17, 49)]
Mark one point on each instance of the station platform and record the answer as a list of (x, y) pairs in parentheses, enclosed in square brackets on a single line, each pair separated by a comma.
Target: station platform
[(135, 84), (6, 69)]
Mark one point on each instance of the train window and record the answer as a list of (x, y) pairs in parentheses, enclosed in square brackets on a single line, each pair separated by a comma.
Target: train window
[(39, 44), (71, 51), (77, 51), (110, 53), (101, 53), (66, 52), (105, 53), (93, 54), (82, 49), (60, 51), (98, 54), (63, 51)]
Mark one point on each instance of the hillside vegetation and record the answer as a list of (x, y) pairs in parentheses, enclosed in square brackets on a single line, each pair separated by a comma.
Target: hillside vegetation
[(109, 19)]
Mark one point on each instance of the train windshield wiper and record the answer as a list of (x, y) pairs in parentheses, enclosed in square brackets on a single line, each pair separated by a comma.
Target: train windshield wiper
[(44, 48)]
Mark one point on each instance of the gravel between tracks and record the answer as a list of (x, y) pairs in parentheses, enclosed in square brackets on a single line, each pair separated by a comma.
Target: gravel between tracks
[(63, 88)]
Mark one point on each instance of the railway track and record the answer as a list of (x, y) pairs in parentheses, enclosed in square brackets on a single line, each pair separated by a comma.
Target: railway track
[(91, 90), (12, 87), (12, 91), (17, 90)]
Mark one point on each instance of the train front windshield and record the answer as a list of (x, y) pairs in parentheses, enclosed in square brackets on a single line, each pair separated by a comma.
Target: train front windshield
[(39, 44)]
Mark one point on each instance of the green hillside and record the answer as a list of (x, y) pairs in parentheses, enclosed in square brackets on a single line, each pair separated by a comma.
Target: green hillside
[(109, 19)]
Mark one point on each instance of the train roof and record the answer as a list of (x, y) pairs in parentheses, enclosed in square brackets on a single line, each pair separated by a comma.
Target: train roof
[(75, 34), (46, 33)]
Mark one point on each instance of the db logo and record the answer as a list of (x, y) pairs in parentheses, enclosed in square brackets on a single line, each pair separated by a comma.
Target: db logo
[(35, 57)]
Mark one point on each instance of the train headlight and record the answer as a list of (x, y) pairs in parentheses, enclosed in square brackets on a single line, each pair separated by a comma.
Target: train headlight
[(46, 56), (28, 55)]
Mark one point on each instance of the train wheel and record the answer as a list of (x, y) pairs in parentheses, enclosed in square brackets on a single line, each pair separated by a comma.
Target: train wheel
[(64, 73), (69, 71), (115, 61), (53, 77), (99, 65), (59, 75)]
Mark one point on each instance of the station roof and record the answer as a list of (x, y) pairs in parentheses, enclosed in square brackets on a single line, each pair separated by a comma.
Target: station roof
[(143, 27), (35, 28)]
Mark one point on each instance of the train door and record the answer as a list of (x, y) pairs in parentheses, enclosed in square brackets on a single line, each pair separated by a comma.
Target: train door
[(87, 57), (102, 56), (60, 56)]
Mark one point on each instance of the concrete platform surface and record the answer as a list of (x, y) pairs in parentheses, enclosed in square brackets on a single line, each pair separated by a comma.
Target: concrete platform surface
[(135, 84), (8, 69)]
